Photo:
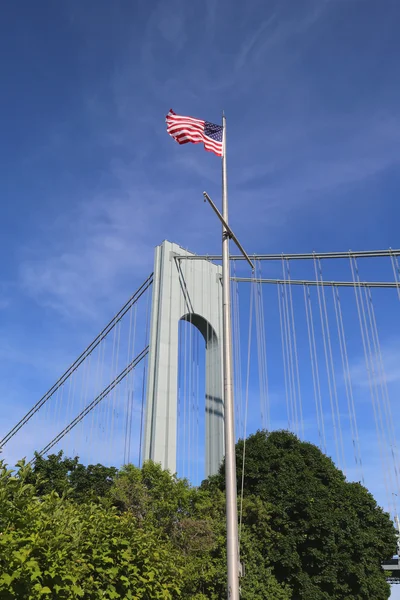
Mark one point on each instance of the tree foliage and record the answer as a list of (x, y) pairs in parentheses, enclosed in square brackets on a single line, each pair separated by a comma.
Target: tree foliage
[(194, 521), (70, 531), (327, 537), (53, 547), (58, 474), (146, 535)]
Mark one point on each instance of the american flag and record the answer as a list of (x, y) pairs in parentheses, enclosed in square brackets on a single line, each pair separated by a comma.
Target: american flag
[(197, 131)]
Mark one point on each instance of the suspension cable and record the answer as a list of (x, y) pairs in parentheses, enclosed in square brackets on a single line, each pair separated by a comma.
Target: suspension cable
[(315, 369), (290, 353), (327, 353), (145, 363), (385, 391), (252, 297), (347, 382), (132, 300), (296, 359), (92, 404), (370, 373), (285, 370)]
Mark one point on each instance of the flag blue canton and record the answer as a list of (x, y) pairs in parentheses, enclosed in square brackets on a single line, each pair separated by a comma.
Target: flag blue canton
[(213, 131)]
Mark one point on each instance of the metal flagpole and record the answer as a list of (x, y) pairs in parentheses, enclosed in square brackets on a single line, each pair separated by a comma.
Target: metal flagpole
[(230, 457)]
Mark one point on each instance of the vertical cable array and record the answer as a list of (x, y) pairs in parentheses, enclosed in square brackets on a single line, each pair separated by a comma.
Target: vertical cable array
[(102, 435), (114, 403), (92, 419), (396, 271), (290, 368), (330, 368), (237, 355), (296, 378), (262, 351), (246, 408), (315, 368), (290, 353), (384, 391), (128, 392), (82, 395), (282, 323), (70, 398), (144, 374), (348, 382), (372, 379)]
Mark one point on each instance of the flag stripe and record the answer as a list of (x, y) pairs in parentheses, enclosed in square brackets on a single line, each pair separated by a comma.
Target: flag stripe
[(188, 129), (175, 129), (179, 118)]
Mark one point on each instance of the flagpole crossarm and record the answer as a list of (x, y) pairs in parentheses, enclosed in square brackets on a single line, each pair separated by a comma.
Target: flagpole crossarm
[(228, 231)]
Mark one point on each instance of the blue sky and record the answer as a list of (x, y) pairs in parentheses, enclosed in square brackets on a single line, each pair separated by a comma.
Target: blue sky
[(90, 182)]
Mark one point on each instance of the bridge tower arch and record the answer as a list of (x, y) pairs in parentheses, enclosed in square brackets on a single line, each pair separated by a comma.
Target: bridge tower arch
[(187, 290)]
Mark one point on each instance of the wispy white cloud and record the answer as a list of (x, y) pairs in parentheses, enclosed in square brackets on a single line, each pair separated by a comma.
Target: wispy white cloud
[(171, 23), (282, 25), (6, 293), (238, 55), (255, 43), (360, 148), (104, 241), (378, 373)]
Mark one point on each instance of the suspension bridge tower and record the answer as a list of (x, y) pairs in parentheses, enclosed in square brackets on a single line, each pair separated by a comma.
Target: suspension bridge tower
[(188, 290)]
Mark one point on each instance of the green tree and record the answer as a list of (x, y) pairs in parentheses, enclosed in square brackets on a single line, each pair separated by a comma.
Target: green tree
[(62, 475), (52, 474), (91, 482), (328, 536), (52, 547), (152, 495), (193, 520)]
